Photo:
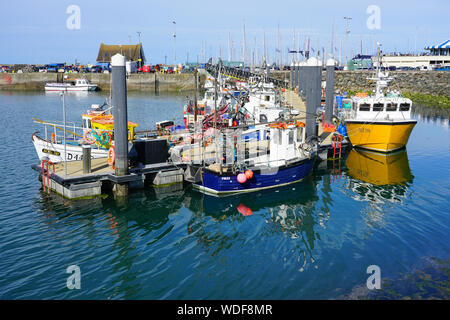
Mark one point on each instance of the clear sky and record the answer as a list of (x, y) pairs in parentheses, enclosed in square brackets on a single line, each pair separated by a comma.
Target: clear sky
[(36, 31)]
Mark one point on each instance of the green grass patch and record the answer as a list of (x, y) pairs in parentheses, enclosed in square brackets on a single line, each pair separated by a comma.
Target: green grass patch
[(438, 101)]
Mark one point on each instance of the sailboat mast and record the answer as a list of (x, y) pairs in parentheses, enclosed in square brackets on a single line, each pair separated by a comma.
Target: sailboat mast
[(278, 44), (264, 48), (244, 45)]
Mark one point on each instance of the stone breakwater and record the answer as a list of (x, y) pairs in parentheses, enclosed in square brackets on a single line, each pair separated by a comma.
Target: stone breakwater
[(436, 83), (146, 82)]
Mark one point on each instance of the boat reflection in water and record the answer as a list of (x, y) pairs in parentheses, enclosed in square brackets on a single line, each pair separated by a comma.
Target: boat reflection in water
[(379, 168), (378, 178), (288, 212)]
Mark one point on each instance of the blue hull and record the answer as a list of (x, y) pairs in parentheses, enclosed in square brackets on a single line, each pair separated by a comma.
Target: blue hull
[(215, 183)]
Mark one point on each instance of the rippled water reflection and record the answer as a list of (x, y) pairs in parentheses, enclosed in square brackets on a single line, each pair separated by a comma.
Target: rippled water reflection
[(313, 239)]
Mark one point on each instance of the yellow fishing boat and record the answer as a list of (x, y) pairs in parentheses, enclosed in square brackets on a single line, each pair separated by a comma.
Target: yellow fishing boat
[(380, 122), (384, 130)]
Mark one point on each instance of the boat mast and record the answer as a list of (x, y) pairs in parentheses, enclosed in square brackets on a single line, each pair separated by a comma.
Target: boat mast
[(244, 45)]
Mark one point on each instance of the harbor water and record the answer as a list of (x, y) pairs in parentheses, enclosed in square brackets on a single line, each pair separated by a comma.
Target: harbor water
[(310, 240)]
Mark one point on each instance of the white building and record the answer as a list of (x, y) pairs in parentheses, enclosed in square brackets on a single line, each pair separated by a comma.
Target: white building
[(439, 56)]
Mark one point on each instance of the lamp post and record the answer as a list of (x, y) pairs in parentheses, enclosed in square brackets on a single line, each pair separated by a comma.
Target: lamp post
[(139, 35), (64, 124), (174, 42), (347, 31)]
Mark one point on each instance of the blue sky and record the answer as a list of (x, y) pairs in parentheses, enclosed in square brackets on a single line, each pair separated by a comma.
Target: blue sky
[(36, 32)]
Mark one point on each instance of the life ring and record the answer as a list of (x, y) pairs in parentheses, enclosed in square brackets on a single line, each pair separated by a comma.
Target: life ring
[(112, 157), (86, 138), (104, 138), (300, 124)]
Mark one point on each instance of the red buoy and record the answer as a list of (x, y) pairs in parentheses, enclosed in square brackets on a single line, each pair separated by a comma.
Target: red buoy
[(245, 211)]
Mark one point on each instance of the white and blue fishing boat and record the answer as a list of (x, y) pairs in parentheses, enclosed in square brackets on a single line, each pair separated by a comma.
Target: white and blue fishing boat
[(260, 164)]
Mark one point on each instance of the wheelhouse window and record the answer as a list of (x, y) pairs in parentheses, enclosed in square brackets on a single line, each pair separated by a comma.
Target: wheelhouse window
[(391, 107), (378, 107), (277, 137), (291, 137), (364, 107), (404, 106), (266, 98)]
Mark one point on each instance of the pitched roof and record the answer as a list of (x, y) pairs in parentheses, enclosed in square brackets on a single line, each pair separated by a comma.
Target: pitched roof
[(131, 52)]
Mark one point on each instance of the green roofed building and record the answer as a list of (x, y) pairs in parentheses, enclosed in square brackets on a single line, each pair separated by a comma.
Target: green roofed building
[(360, 62)]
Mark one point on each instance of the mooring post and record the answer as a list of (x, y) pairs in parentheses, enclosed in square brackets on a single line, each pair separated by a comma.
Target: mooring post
[(313, 83), (297, 66), (291, 74), (299, 78), (303, 78), (195, 94), (329, 99), (120, 112), (86, 159)]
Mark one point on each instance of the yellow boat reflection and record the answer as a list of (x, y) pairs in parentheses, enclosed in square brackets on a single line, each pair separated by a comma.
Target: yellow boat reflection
[(379, 168)]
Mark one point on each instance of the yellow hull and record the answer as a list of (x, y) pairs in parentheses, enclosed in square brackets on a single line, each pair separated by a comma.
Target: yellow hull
[(381, 136), (379, 168)]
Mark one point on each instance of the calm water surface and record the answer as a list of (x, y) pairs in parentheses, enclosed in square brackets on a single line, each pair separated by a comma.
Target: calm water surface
[(311, 240)]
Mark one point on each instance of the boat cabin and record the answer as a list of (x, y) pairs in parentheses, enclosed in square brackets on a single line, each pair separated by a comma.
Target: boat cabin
[(386, 108), (82, 82), (285, 142)]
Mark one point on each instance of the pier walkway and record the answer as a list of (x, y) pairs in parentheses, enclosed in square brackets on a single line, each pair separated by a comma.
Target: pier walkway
[(243, 75), (298, 104)]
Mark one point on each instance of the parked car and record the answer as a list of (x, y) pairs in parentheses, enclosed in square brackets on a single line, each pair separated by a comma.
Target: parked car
[(146, 69), (96, 69)]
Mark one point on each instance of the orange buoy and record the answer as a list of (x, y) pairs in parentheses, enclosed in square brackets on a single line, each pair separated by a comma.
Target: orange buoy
[(249, 174)]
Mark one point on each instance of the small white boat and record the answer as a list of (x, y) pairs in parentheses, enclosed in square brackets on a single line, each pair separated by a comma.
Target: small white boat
[(54, 151), (74, 85)]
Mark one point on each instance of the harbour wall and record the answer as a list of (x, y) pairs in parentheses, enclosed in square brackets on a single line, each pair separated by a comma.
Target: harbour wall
[(144, 81), (436, 83)]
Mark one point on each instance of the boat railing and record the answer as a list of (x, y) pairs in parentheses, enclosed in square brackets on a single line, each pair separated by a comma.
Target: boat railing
[(233, 146), (54, 131)]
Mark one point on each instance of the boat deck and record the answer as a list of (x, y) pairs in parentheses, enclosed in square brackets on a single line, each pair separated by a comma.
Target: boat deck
[(75, 168)]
